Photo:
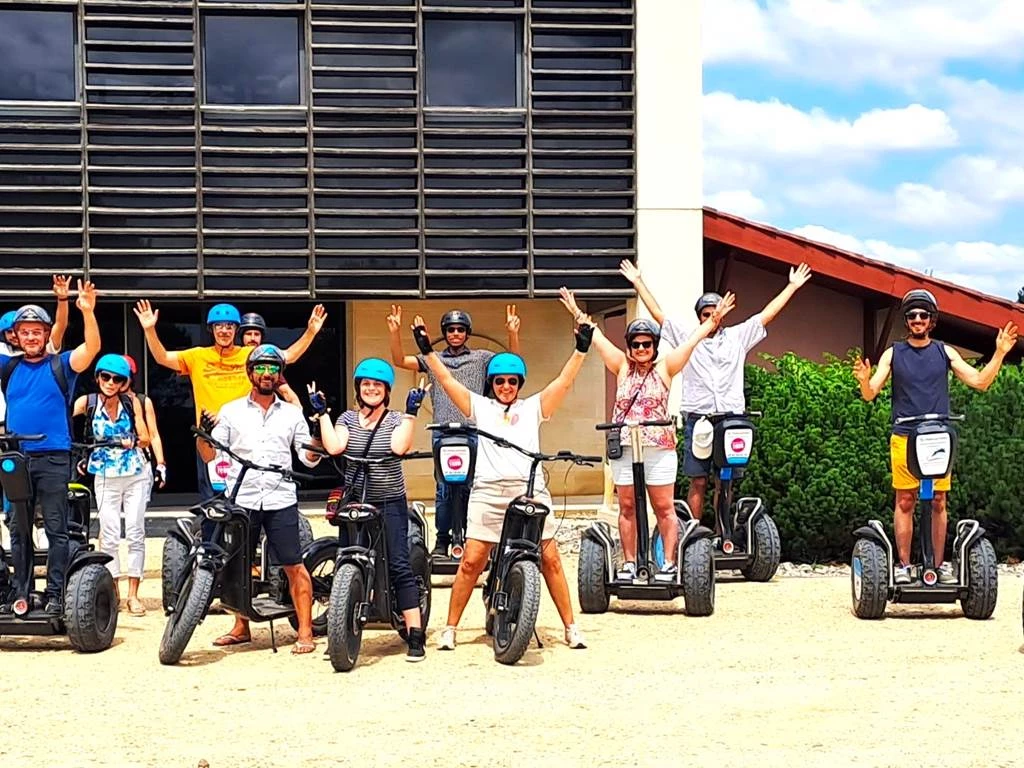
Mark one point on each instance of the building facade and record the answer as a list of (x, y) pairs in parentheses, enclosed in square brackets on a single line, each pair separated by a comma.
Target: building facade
[(353, 153)]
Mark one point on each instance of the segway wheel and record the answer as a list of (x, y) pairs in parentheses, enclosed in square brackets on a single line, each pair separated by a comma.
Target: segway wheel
[(592, 577), (982, 581), (767, 551), (419, 560), (513, 627), (90, 609), (175, 556), (321, 573), (188, 612), (699, 578), (869, 579), (344, 631)]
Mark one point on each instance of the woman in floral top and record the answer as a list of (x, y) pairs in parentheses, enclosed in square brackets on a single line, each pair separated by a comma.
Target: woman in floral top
[(121, 482), (641, 394)]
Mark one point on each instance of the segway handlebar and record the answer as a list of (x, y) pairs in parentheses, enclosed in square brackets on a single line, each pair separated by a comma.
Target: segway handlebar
[(285, 472), (929, 417), (15, 440), (621, 424), (114, 443)]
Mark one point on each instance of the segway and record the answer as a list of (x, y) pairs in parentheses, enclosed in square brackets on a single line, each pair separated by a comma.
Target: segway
[(90, 600), (601, 552), (454, 461), (746, 538), (931, 449)]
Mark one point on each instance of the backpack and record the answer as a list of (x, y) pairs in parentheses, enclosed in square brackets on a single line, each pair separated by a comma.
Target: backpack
[(55, 366), (92, 401)]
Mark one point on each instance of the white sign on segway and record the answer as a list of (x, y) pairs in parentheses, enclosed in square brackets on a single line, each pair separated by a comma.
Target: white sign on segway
[(933, 453), (738, 444), (454, 463)]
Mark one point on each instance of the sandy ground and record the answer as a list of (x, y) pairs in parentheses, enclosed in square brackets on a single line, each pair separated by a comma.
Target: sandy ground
[(781, 675)]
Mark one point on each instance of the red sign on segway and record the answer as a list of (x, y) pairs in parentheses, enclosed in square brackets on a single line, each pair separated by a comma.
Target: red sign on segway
[(455, 462), (222, 468), (738, 445)]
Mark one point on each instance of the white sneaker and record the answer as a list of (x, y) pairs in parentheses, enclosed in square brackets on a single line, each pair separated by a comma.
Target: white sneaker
[(902, 575), (574, 638), (627, 572), (946, 575), (447, 641)]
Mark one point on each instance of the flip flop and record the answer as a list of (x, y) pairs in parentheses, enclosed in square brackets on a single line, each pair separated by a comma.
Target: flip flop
[(303, 647), (136, 608), (229, 639)]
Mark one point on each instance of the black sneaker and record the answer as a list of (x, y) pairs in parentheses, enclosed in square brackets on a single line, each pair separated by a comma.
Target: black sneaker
[(54, 608), (440, 550), (417, 645)]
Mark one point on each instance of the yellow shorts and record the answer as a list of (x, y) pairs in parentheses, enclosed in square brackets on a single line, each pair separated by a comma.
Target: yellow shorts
[(902, 480)]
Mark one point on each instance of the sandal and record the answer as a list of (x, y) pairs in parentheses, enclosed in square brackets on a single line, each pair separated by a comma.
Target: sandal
[(229, 639), (135, 607), (303, 647)]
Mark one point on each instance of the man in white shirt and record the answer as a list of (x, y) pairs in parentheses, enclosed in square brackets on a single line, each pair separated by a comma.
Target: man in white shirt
[(264, 429), (713, 378)]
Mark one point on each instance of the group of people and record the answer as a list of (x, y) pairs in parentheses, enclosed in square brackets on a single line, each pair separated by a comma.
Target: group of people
[(240, 391)]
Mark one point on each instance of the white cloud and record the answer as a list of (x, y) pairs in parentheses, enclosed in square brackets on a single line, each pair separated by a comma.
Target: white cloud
[(774, 130), (741, 202), (985, 178), (989, 267), (849, 41)]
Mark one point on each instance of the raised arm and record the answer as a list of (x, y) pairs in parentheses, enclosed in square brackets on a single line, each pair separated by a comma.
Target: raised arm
[(676, 359), (62, 290), (402, 437), (614, 358), (512, 324), (455, 390), (982, 379), (83, 355), (798, 277), (870, 385), (630, 271), (398, 356), (313, 326), (554, 393), (147, 319)]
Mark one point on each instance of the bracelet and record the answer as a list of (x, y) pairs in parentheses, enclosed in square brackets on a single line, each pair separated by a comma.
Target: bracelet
[(408, 415), (64, 299)]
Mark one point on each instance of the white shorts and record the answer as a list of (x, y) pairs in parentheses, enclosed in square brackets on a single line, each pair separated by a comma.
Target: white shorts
[(660, 466), (487, 505)]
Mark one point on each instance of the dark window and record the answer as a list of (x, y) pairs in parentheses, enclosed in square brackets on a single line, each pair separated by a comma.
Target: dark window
[(37, 55), (473, 62), (251, 59)]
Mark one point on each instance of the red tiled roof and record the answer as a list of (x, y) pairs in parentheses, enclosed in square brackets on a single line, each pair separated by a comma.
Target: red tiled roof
[(871, 274)]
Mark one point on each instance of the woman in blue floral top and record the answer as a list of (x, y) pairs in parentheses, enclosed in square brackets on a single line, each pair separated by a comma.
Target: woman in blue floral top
[(121, 482)]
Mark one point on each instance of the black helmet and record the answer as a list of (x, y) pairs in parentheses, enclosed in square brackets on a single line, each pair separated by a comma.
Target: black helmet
[(253, 322), (456, 317), (32, 313), (919, 298), (265, 353), (709, 299), (643, 327)]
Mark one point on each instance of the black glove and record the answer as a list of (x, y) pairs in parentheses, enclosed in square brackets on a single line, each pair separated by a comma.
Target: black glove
[(207, 422), (422, 339), (314, 428), (318, 403), (414, 400), (584, 335)]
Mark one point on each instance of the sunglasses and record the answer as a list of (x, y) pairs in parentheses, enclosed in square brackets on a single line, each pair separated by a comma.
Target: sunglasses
[(707, 314), (641, 344), (501, 381), (455, 329), (108, 377), (918, 314), (266, 369)]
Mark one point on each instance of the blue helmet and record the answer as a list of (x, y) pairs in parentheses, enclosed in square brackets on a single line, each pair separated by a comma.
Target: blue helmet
[(376, 369), (505, 364), (115, 364), (223, 313), (7, 321)]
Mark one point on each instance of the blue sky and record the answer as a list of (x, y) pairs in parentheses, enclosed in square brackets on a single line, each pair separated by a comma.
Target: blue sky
[(893, 129)]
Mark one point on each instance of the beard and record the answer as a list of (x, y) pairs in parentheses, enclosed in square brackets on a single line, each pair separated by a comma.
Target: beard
[(265, 386)]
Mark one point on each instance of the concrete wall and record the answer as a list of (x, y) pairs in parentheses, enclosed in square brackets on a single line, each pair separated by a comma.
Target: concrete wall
[(546, 337)]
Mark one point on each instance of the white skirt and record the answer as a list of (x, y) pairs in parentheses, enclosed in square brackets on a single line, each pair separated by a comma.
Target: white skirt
[(488, 502)]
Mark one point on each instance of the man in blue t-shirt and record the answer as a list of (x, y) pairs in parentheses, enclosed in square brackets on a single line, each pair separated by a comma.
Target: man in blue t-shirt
[(38, 403)]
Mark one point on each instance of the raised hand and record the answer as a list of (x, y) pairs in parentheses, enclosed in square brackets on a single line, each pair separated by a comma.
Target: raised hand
[(724, 307), (511, 318), (62, 287), (86, 296), (414, 399), (862, 370), (317, 401), (317, 318), (146, 314), (420, 336), (629, 271), (395, 318), (1006, 339), (798, 276), (568, 300), (584, 336)]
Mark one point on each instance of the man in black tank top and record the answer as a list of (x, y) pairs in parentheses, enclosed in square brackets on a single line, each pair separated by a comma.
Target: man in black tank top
[(920, 367)]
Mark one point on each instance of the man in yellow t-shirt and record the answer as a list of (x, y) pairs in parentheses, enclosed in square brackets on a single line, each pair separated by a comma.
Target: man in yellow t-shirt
[(218, 372)]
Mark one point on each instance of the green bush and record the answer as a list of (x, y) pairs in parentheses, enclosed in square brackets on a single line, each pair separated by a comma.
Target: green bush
[(821, 456)]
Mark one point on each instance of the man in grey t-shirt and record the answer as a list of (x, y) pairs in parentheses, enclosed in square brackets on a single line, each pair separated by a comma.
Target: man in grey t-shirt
[(713, 379), (469, 366)]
